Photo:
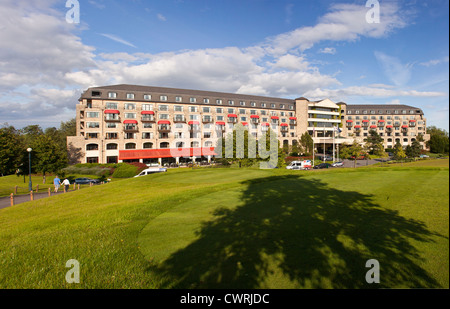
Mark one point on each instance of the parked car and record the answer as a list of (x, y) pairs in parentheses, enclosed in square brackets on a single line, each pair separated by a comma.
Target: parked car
[(337, 164), (152, 170), (299, 165), (322, 165), (325, 158), (84, 180), (424, 156)]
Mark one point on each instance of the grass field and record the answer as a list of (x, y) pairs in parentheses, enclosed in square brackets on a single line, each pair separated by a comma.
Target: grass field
[(237, 228)]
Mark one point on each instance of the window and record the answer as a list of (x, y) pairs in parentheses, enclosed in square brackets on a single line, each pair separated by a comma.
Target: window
[(163, 98), (206, 109), (147, 97), (112, 95), (164, 116), (147, 125), (130, 146), (252, 104), (93, 125), (147, 107), (92, 135), (219, 101), (178, 99), (263, 104), (272, 105), (230, 102), (111, 135), (92, 160), (90, 147), (130, 115), (112, 146), (282, 106), (147, 146), (147, 135), (372, 112), (219, 110), (178, 108), (206, 100), (192, 100), (111, 125), (92, 114), (163, 108), (110, 105), (241, 111), (193, 109), (130, 96), (130, 106), (207, 135), (193, 117), (242, 103)]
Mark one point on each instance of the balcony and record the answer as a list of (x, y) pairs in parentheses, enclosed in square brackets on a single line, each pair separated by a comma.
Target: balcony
[(130, 128), (112, 118), (284, 127), (164, 127), (293, 121)]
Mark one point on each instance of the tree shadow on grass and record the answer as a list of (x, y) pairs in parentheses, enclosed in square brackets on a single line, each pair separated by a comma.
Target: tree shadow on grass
[(317, 236)]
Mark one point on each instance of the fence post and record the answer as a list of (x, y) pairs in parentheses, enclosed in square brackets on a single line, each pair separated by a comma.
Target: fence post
[(37, 188), (78, 186), (15, 189), (31, 196), (49, 192), (74, 186), (12, 199)]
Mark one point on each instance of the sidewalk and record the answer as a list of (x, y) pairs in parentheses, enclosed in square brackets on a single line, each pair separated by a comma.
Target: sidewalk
[(18, 199)]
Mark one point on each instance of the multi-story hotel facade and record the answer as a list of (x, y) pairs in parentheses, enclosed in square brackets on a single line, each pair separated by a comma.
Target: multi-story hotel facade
[(124, 123)]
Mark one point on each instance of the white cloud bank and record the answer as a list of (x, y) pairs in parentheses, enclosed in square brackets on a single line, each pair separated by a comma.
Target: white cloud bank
[(44, 65)]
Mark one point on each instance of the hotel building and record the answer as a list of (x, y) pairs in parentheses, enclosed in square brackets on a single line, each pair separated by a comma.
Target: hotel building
[(128, 123)]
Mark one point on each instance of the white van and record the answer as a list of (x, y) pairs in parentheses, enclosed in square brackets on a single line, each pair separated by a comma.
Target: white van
[(300, 165), (152, 170)]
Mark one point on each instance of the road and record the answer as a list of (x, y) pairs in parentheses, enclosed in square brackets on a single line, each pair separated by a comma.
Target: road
[(18, 199)]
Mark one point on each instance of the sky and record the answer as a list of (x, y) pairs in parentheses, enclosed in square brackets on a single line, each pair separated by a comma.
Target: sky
[(341, 50)]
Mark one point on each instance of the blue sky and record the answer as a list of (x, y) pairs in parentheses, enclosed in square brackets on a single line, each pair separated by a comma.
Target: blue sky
[(317, 49)]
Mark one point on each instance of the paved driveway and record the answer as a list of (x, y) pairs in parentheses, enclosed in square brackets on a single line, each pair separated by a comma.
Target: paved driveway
[(18, 199)]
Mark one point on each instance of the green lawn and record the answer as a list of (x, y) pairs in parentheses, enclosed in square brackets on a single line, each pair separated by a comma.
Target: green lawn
[(236, 228)]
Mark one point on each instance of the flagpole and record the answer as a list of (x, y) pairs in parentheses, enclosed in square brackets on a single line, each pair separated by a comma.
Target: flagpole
[(334, 129), (314, 147)]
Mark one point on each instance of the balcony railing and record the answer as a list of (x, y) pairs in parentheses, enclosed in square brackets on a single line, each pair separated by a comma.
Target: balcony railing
[(112, 118), (148, 118), (164, 127)]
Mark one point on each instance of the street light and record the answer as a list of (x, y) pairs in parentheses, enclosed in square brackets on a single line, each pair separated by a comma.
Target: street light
[(30, 185)]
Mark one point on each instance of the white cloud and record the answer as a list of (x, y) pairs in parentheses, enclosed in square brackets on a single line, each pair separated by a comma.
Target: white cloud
[(434, 62), (397, 72), (328, 50), (117, 39), (161, 17)]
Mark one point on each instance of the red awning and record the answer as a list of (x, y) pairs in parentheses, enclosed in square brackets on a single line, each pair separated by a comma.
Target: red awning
[(293, 118), (164, 122), (349, 121), (193, 122), (147, 113), (111, 111), (381, 120), (412, 121), (245, 123), (165, 153), (389, 127), (284, 125), (365, 121), (220, 123), (275, 117), (254, 116), (232, 116), (404, 127), (373, 127), (265, 124), (357, 127), (130, 122)]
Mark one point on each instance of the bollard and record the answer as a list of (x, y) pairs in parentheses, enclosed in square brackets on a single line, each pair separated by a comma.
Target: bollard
[(12, 199), (15, 189), (37, 188), (74, 184), (64, 188), (49, 192), (31, 196), (78, 186)]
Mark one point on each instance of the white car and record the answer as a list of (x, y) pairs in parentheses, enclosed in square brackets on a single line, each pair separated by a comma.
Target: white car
[(152, 170), (337, 164), (299, 165)]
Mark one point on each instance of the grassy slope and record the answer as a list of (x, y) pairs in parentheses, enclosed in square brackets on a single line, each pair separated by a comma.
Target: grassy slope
[(108, 230)]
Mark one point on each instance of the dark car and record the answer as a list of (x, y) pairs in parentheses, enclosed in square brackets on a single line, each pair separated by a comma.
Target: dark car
[(83, 181), (322, 165)]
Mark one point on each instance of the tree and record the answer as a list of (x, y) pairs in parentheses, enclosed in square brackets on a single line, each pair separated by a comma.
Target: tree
[(351, 152), (413, 150), (307, 143), (439, 140), (373, 141), (11, 150), (238, 146), (48, 156), (399, 154)]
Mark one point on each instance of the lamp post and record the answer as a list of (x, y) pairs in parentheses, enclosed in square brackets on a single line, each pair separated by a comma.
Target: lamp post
[(30, 185)]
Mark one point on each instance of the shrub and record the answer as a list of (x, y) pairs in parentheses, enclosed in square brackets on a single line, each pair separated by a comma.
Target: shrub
[(125, 171)]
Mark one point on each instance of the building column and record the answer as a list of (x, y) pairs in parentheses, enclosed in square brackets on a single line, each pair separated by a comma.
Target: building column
[(160, 161), (177, 160)]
